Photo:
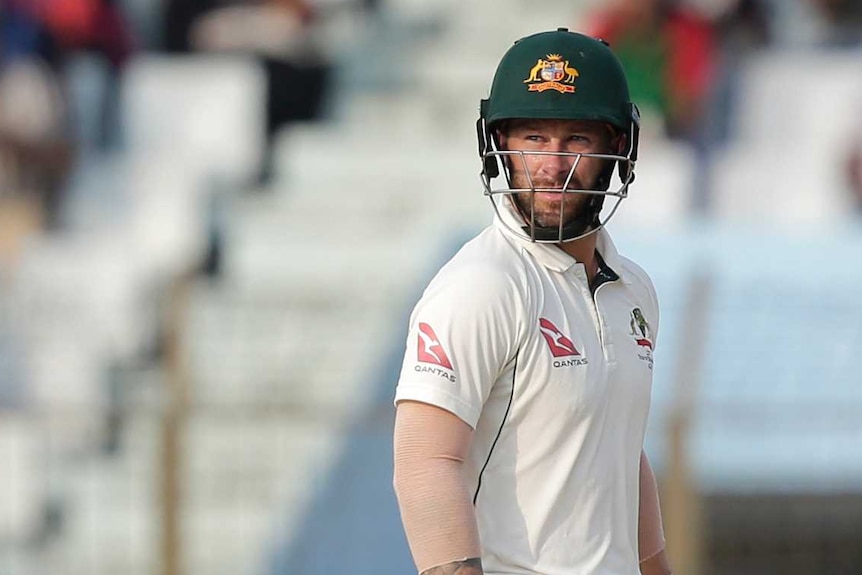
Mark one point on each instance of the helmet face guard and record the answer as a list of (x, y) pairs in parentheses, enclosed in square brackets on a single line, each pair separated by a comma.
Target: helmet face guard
[(557, 76)]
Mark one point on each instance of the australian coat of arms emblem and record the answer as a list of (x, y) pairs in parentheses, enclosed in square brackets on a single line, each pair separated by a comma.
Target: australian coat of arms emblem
[(552, 73)]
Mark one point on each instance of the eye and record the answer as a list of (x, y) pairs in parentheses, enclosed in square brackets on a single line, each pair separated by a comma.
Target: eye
[(534, 138)]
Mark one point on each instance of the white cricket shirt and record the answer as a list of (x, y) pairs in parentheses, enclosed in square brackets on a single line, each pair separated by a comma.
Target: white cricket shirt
[(556, 383)]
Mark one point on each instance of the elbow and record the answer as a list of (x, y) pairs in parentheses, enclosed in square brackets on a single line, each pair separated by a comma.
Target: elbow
[(397, 484)]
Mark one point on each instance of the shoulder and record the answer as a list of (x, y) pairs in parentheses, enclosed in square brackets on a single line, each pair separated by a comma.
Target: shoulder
[(636, 274), (632, 274), (640, 280), (485, 266)]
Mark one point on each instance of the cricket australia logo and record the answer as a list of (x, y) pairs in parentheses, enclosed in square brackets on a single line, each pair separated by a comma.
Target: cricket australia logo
[(642, 334), (560, 345), (552, 73)]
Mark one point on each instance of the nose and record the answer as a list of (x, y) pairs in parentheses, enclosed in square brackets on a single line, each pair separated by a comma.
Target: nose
[(555, 165)]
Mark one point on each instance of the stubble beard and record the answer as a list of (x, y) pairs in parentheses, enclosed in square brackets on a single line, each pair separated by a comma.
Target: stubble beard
[(546, 207)]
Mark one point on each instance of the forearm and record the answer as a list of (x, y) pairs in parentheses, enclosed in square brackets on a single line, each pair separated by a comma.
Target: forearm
[(465, 567), (436, 508), (438, 520), (656, 565)]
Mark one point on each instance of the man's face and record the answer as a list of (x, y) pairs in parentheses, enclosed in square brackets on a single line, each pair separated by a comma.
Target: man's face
[(551, 171)]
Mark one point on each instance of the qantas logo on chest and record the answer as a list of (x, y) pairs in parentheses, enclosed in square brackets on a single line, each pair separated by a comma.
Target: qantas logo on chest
[(560, 345)]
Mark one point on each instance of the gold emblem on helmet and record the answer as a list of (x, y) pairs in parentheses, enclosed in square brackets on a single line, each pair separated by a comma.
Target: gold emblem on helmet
[(552, 73)]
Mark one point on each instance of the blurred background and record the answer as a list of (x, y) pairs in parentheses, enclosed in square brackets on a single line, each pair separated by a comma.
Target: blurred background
[(216, 215)]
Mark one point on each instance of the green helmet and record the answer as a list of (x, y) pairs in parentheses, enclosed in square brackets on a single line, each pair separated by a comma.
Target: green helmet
[(568, 76)]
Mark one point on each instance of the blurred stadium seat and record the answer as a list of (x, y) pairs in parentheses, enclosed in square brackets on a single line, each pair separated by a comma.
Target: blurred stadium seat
[(766, 184), (799, 99), (23, 487), (660, 196), (205, 110), (168, 214), (288, 356)]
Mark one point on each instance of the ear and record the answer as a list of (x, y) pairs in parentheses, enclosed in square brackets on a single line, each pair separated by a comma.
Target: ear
[(502, 139), (623, 144), (619, 142)]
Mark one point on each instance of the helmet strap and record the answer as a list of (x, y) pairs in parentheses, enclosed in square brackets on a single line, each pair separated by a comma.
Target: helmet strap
[(603, 181), (490, 168)]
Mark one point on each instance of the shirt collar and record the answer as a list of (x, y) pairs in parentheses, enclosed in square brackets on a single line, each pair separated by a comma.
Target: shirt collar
[(609, 253), (555, 259)]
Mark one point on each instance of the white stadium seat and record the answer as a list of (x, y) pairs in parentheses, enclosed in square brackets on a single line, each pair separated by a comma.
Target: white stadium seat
[(766, 184), (204, 109), (661, 194), (799, 99), (23, 484)]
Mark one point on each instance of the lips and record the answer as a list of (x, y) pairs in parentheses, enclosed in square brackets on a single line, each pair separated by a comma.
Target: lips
[(548, 196), (543, 186)]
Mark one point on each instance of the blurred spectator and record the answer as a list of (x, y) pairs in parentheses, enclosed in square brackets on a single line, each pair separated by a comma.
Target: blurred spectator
[(97, 28), (35, 151), (840, 22), (273, 28), (854, 173), (36, 119), (742, 28), (278, 32), (667, 50)]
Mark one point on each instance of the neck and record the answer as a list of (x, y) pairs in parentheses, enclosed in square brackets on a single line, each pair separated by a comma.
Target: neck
[(584, 251)]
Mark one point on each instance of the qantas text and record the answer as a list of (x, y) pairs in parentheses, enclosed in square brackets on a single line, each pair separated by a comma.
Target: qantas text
[(436, 371), (570, 362)]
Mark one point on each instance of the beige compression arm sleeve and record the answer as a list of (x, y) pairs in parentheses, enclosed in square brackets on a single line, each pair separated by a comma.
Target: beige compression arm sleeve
[(430, 447), (650, 531)]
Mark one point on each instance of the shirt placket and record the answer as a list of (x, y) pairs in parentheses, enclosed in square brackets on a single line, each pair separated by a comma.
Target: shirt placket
[(606, 334), (599, 322)]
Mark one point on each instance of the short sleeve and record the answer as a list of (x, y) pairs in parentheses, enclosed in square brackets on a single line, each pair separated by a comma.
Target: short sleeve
[(462, 334)]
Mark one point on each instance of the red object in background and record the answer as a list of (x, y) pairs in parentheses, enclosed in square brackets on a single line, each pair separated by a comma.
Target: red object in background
[(690, 68), (674, 45), (70, 21), (689, 40), (88, 24)]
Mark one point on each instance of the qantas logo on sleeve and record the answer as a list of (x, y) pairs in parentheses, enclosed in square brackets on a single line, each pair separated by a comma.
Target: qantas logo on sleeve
[(430, 350), (560, 345)]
